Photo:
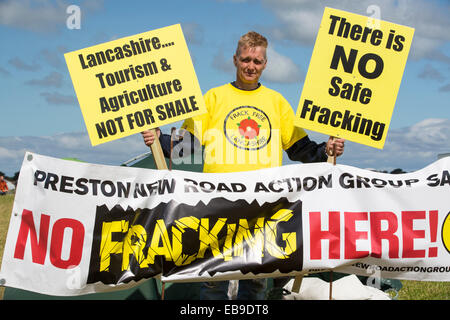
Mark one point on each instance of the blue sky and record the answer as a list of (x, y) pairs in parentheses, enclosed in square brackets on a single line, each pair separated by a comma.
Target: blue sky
[(40, 113)]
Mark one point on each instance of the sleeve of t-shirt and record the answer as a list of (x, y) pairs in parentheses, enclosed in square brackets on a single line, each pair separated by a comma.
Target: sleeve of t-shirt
[(198, 125), (290, 133)]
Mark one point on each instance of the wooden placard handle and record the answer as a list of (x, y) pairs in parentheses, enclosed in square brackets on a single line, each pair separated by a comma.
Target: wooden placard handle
[(158, 154), (332, 157)]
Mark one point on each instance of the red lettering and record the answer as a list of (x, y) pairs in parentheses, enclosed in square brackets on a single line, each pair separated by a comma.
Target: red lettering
[(409, 234), (332, 235), (383, 225), (377, 235), (38, 246), (76, 247), (351, 235)]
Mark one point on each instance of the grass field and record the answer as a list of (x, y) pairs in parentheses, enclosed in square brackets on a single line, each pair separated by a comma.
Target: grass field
[(412, 290), (6, 204)]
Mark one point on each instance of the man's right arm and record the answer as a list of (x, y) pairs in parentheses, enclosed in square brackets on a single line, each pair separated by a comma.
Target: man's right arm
[(187, 142)]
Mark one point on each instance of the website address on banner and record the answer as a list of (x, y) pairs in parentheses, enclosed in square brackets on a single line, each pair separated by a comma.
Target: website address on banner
[(418, 269)]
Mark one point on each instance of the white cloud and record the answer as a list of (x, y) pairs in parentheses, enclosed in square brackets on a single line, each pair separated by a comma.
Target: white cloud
[(222, 63), (9, 154), (300, 20), (445, 88), (280, 69), (410, 148), (53, 79), (56, 98), (429, 72), (42, 15), (17, 63), (193, 32), (68, 145), (34, 16)]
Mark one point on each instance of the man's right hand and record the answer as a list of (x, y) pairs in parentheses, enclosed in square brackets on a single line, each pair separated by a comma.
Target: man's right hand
[(149, 136)]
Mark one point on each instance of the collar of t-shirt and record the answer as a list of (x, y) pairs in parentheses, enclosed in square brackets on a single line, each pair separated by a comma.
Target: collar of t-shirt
[(234, 85)]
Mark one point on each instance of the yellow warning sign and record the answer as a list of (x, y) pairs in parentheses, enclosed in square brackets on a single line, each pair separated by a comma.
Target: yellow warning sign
[(354, 77), (135, 83)]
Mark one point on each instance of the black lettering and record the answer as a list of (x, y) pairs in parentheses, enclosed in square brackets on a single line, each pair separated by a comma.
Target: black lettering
[(378, 130), (104, 107), (309, 186), (334, 19), (362, 66), (123, 190), (82, 188), (66, 182), (108, 55), (52, 180), (334, 115), (390, 39), (336, 88), (190, 185), (344, 28), (170, 110), (39, 176), (355, 33), (260, 187), (101, 130), (445, 178), (324, 115), (238, 187), (362, 181), (112, 188), (375, 38), (305, 108), (223, 187), (433, 180), (83, 65), (179, 107), (161, 114), (347, 63), (398, 46), (345, 182), (193, 103), (347, 121), (100, 78)]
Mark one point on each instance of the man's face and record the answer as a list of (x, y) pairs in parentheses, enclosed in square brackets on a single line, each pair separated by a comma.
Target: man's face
[(250, 64)]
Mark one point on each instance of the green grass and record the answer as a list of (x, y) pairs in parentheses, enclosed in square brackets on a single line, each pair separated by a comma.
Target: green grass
[(421, 290), (412, 290), (6, 204)]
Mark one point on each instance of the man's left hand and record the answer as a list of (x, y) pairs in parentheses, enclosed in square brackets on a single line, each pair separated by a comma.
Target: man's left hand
[(335, 146)]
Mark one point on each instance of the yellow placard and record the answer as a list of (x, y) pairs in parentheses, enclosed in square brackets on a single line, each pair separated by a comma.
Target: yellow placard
[(135, 83), (354, 77)]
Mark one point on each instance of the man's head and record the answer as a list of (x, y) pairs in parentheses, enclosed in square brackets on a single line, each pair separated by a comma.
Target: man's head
[(250, 59)]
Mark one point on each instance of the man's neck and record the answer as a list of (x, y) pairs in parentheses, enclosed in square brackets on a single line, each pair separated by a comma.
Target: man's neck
[(246, 86)]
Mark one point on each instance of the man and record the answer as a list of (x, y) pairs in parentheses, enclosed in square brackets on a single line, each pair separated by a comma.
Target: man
[(3, 186), (247, 127)]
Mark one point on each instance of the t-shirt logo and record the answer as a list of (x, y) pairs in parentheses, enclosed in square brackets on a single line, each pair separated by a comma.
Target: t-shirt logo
[(247, 128)]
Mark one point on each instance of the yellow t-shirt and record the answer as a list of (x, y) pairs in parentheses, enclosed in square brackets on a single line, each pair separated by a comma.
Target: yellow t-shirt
[(244, 130)]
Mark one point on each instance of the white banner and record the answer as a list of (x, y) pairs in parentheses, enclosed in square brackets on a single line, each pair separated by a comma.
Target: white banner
[(80, 228)]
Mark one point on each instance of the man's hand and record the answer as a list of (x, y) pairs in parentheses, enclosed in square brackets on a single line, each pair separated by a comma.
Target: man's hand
[(335, 146), (149, 136)]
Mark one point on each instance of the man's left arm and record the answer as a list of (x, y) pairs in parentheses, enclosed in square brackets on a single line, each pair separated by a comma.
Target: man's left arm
[(308, 151)]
